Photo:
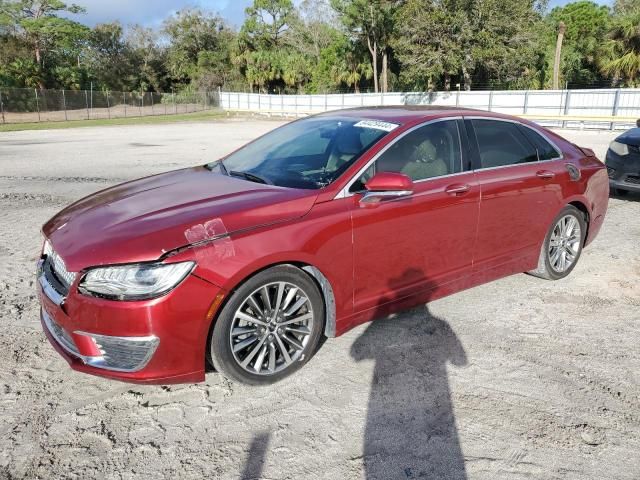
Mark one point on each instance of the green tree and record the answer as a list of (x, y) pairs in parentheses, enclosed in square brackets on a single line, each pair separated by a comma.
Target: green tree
[(110, 60), (266, 23), (263, 48), (621, 53), (626, 7), (149, 58), (348, 65), (371, 22), (485, 40), (196, 40), (587, 24), (313, 29), (48, 34), (430, 44)]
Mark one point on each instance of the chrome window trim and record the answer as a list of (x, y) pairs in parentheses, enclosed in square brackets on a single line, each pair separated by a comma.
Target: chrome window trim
[(517, 122), (345, 193)]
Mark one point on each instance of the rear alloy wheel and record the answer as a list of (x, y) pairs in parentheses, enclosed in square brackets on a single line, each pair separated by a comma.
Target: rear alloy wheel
[(562, 246), (269, 328)]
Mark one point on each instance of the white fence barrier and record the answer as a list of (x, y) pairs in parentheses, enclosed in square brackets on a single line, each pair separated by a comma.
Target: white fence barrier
[(610, 108)]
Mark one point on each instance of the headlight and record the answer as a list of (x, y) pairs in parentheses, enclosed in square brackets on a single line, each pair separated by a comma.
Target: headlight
[(134, 282), (621, 149)]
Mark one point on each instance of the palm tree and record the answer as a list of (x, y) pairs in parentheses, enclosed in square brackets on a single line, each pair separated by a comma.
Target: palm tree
[(26, 72), (621, 56), (350, 70)]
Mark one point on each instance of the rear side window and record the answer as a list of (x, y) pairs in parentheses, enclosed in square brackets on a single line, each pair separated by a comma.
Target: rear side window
[(545, 150), (502, 143)]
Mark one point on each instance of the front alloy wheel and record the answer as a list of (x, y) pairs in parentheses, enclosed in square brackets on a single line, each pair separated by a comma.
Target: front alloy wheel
[(269, 328)]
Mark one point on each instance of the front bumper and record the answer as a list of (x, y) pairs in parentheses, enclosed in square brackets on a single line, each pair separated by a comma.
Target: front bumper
[(624, 172), (117, 354), (159, 341)]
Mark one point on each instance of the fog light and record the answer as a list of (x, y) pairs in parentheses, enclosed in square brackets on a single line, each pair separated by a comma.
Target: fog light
[(124, 354)]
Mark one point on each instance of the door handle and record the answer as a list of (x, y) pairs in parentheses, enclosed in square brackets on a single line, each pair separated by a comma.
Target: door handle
[(545, 174), (457, 189)]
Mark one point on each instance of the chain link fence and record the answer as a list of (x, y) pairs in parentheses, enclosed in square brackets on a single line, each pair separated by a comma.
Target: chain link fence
[(20, 105)]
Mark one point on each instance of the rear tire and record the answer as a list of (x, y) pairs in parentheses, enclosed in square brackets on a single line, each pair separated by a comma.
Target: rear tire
[(562, 245), (269, 328)]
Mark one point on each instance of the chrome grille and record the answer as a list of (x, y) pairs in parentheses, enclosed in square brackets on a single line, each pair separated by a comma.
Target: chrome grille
[(60, 334), (58, 266)]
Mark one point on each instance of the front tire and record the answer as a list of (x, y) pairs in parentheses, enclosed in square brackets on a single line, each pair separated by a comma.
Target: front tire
[(562, 246), (269, 328)]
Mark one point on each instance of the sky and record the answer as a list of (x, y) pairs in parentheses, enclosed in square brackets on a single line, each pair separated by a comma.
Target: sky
[(151, 13)]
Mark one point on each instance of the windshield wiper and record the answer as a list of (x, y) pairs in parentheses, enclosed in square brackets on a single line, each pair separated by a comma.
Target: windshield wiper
[(217, 163), (252, 177)]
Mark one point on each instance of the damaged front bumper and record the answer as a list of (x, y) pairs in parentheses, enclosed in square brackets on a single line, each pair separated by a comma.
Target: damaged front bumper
[(158, 341)]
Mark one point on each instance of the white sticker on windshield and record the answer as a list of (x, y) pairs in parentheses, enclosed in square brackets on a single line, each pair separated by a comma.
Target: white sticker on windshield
[(377, 124)]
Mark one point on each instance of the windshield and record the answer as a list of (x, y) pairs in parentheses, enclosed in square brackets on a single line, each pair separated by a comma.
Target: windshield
[(309, 153)]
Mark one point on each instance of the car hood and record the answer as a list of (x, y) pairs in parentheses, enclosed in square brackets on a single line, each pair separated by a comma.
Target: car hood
[(143, 219), (630, 137)]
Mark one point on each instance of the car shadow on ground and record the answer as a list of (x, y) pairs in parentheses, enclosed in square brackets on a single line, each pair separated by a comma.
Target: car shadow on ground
[(256, 457), (627, 196), (410, 429)]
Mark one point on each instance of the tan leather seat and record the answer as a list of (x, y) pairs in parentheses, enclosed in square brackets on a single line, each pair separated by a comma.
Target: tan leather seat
[(426, 163), (346, 146)]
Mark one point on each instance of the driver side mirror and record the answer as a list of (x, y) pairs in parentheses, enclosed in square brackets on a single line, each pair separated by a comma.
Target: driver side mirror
[(386, 186)]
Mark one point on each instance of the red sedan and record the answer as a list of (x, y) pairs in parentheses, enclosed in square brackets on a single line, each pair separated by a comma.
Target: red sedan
[(310, 230)]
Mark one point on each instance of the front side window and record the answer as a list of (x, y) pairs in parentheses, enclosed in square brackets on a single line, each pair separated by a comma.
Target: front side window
[(309, 153), (502, 143), (427, 152)]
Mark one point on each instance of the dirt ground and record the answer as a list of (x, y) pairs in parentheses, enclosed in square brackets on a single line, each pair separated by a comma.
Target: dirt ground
[(518, 379)]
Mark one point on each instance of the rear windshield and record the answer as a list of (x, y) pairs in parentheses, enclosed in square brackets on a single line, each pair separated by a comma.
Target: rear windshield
[(309, 153)]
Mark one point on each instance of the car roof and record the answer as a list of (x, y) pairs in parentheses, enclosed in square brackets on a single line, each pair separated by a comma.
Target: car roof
[(403, 114)]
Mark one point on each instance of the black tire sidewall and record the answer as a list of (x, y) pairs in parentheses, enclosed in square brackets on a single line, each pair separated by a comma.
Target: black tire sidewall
[(568, 210), (219, 347)]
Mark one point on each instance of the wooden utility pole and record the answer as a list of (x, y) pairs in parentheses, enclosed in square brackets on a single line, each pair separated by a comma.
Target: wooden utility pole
[(556, 64)]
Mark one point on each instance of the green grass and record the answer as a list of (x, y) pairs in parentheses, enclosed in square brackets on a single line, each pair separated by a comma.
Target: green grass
[(150, 120)]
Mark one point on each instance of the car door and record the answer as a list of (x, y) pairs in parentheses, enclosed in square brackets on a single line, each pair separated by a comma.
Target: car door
[(408, 245), (519, 192)]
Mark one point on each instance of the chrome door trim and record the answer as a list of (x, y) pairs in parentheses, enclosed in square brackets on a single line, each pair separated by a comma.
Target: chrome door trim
[(344, 192)]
